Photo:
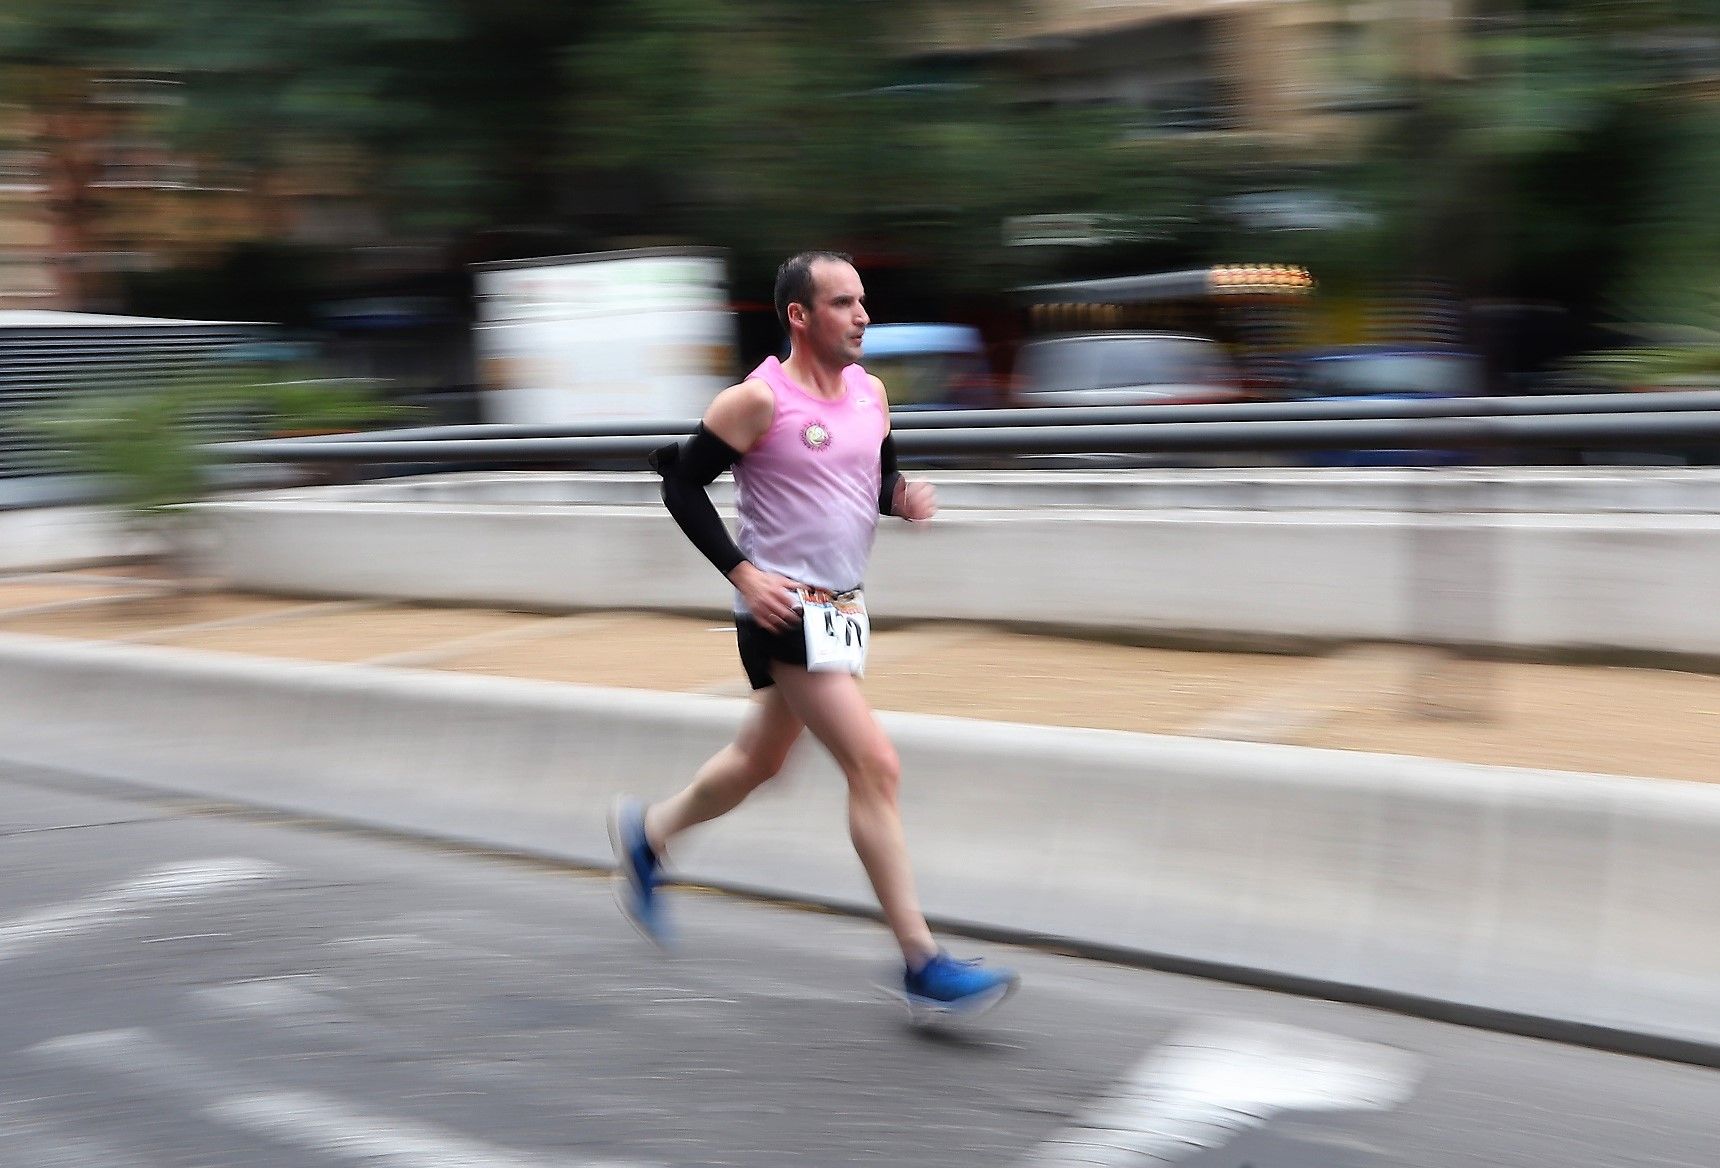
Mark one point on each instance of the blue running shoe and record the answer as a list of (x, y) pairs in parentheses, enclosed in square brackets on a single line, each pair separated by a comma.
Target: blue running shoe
[(636, 870), (945, 987)]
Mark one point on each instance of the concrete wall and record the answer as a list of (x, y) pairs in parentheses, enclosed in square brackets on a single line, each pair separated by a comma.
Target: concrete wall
[(1585, 898), (1528, 562), (36, 538)]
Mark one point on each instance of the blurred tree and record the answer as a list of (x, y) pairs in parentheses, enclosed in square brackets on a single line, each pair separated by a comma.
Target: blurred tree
[(1668, 302), (519, 126), (143, 442), (48, 50), (785, 125), (442, 112), (1526, 174), (1672, 281), (429, 120), (1614, 157)]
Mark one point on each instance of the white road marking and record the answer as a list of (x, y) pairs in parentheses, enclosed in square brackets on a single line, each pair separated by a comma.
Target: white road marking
[(136, 1053), (176, 882), (273, 998), (321, 1124), (1220, 1078), (417, 945), (301, 1119)]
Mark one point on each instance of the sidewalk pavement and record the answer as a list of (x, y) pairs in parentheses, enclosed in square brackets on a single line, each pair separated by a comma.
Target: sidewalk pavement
[(1390, 699)]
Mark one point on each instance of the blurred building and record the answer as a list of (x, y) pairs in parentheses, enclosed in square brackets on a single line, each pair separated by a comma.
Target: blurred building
[(1290, 73), (90, 188), (93, 186), (26, 244)]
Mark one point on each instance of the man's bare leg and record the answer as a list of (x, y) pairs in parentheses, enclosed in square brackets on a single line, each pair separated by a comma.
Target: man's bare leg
[(833, 708), (729, 776), (640, 834)]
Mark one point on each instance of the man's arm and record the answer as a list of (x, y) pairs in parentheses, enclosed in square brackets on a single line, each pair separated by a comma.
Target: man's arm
[(913, 500), (741, 414), (735, 422)]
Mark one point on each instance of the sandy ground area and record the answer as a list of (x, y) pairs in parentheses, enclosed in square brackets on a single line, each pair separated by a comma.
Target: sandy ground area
[(1612, 720)]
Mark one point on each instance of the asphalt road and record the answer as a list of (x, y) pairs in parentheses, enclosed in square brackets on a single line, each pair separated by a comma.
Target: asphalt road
[(184, 985)]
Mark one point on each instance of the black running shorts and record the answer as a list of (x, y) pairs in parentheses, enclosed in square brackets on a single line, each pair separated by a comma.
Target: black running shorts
[(759, 647)]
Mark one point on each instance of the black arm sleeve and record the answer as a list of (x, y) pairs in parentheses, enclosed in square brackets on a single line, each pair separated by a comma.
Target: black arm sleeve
[(687, 469), (889, 477)]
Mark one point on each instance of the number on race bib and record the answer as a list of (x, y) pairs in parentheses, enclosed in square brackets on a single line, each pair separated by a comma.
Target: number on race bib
[(837, 631)]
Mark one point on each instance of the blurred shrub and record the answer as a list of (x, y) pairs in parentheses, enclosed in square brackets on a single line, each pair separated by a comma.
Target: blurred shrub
[(1695, 363), (145, 442)]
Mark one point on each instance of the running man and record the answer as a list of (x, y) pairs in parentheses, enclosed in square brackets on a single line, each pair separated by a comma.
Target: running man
[(814, 466)]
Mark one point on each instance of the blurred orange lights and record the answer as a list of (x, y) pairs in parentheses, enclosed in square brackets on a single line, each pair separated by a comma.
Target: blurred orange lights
[(1287, 279)]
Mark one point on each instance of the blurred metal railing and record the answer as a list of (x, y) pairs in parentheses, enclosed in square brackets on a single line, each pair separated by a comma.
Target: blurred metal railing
[(44, 365), (902, 420), (1611, 431)]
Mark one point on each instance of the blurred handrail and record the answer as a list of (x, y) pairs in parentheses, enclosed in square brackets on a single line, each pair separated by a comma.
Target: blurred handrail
[(1643, 430), (1583, 403)]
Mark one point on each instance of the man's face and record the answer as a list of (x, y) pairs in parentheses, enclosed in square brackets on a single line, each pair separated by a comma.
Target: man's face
[(836, 320)]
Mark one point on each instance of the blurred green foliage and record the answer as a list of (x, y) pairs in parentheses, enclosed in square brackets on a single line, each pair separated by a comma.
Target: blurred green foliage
[(1558, 164), (1694, 362), (781, 126), (144, 442), (1673, 280), (1570, 162), (439, 110)]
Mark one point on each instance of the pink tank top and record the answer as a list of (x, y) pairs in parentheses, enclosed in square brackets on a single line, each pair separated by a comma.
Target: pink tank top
[(807, 492)]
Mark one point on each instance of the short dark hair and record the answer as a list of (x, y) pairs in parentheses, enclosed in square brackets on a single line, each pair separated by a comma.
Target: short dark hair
[(794, 280)]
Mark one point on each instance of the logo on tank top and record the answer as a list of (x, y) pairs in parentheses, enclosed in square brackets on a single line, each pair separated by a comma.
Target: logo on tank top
[(815, 436)]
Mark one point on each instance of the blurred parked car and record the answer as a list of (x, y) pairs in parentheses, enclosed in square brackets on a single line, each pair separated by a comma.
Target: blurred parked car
[(1296, 210), (931, 366), (1124, 369), (1387, 373)]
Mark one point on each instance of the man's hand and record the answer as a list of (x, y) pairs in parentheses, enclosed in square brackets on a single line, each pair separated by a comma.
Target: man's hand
[(914, 500), (769, 597)]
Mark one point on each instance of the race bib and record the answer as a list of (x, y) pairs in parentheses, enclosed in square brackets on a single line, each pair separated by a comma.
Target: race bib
[(837, 630)]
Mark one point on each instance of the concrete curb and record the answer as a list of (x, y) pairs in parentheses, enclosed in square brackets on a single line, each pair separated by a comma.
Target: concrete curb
[(1577, 907)]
